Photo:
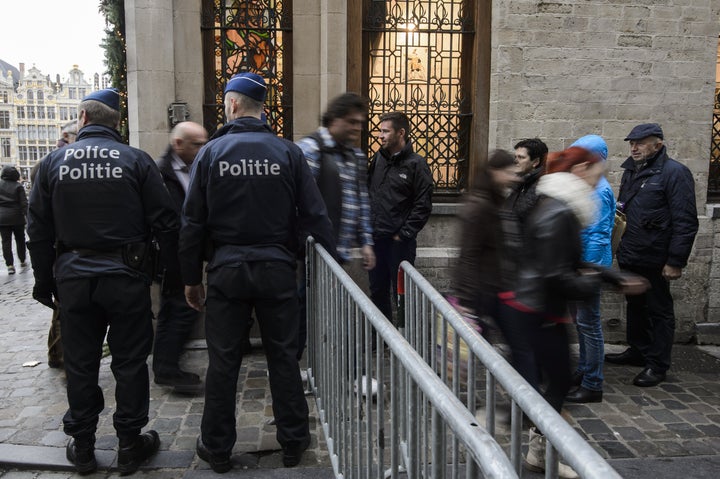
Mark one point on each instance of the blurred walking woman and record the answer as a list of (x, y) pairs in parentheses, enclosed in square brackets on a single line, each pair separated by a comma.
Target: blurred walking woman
[(13, 209), (478, 277), (551, 274)]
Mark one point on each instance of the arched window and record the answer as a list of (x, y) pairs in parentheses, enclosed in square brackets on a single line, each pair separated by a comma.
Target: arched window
[(248, 36), (40, 97), (30, 96)]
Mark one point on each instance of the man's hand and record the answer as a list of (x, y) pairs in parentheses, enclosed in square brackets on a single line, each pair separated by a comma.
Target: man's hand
[(368, 256), (671, 272), (195, 296), (43, 296)]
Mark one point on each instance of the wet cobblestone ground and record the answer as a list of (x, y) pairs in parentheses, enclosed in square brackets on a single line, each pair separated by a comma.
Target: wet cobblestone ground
[(644, 432)]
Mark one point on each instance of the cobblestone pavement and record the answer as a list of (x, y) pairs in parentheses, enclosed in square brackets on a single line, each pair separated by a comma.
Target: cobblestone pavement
[(656, 432)]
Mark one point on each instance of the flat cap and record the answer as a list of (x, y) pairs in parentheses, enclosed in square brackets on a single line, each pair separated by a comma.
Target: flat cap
[(109, 97), (644, 130), (248, 84)]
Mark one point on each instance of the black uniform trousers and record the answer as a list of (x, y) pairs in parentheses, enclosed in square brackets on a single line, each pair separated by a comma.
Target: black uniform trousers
[(88, 307), (651, 319), (268, 287), (383, 278), (174, 324)]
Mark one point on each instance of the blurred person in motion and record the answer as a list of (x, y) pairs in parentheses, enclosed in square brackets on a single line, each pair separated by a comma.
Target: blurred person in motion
[(176, 318), (479, 277), (13, 209), (250, 193), (551, 274), (94, 208), (657, 195), (340, 171), (530, 157), (597, 249)]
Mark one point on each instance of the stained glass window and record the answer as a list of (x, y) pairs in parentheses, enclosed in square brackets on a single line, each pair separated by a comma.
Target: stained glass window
[(249, 36)]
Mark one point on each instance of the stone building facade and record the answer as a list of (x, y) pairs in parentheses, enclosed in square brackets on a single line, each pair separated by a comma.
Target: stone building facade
[(509, 69)]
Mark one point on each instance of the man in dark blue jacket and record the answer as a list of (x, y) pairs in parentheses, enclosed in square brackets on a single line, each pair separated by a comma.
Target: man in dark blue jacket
[(250, 193), (93, 208), (657, 195), (176, 318), (400, 187)]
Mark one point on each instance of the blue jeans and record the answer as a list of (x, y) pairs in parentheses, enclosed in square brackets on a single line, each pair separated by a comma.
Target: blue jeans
[(592, 346)]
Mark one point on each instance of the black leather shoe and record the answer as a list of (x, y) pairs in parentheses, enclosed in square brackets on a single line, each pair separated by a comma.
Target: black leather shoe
[(292, 455), (219, 464), (584, 395), (82, 455), (648, 378), (576, 378), (135, 451), (177, 378), (628, 357)]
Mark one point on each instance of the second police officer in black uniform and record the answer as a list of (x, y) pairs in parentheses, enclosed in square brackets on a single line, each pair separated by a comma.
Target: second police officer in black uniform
[(93, 209), (249, 193)]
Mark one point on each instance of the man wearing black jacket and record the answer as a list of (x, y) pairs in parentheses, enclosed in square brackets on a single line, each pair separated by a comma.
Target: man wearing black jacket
[(176, 318), (657, 195), (400, 187), (93, 208), (250, 193)]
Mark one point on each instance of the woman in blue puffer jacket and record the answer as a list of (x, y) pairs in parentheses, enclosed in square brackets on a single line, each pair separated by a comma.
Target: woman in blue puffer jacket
[(596, 242)]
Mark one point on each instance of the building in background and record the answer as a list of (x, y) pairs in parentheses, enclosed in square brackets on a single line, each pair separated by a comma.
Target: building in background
[(33, 109)]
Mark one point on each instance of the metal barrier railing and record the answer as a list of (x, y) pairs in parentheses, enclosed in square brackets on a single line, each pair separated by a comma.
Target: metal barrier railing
[(406, 429), (436, 331)]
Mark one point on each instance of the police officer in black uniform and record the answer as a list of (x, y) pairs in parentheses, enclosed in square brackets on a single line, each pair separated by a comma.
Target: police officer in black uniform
[(250, 192), (93, 209)]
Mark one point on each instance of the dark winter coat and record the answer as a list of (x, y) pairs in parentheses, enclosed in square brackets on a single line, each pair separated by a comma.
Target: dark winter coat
[(13, 200), (400, 188), (477, 278), (549, 277), (659, 202)]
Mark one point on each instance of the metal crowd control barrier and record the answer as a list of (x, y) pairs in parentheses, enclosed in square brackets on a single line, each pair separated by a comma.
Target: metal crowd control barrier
[(404, 430), (454, 350)]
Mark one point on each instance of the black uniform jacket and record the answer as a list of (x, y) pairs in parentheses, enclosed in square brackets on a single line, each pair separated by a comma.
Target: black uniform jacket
[(659, 202), (96, 195), (249, 193), (400, 188)]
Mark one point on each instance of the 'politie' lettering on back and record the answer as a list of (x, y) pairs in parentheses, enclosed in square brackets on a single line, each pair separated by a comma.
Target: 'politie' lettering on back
[(249, 167), (90, 171)]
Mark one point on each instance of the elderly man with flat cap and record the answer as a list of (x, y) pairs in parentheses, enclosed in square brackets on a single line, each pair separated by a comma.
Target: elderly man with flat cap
[(250, 192), (95, 207), (657, 194)]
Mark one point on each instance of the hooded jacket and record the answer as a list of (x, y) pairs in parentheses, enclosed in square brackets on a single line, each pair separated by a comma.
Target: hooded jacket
[(250, 193), (659, 204), (13, 200), (548, 277), (400, 188), (597, 237)]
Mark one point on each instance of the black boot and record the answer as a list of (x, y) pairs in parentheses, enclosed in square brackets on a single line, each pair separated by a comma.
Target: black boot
[(81, 452), (136, 450)]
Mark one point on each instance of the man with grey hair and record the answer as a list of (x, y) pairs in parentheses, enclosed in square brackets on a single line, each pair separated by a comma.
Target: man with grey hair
[(93, 209), (68, 133), (250, 193)]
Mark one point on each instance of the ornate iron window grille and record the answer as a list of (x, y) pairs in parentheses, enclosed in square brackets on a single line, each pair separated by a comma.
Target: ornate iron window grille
[(714, 173), (248, 36), (418, 60)]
